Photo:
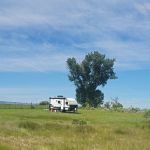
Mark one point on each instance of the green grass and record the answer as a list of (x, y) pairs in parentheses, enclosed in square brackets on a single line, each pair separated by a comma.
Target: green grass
[(38, 129)]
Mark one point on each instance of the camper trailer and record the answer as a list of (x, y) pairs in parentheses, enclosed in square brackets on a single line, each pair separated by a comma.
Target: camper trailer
[(62, 104)]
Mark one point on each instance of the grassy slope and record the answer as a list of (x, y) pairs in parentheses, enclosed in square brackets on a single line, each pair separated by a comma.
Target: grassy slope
[(42, 130)]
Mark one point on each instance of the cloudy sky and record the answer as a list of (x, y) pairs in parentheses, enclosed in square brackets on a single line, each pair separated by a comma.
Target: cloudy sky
[(36, 38)]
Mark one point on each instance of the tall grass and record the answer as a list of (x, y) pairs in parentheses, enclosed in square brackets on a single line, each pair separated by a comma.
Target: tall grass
[(37, 129)]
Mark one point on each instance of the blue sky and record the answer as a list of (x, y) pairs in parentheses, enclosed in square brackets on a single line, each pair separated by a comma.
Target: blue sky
[(36, 38)]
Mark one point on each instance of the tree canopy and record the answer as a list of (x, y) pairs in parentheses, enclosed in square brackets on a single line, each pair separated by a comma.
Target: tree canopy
[(92, 72)]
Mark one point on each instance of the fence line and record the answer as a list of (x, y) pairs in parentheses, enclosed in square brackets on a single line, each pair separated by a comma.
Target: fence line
[(23, 106)]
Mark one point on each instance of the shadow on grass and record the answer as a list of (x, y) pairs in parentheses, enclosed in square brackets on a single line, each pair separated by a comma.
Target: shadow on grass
[(71, 112), (121, 132)]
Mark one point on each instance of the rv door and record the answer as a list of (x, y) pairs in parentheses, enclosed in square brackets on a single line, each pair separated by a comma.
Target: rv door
[(63, 104)]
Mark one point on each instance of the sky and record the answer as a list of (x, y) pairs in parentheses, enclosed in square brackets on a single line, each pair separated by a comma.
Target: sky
[(37, 37)]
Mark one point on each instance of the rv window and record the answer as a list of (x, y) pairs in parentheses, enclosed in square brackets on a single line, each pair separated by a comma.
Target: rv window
[(66, 103), (58, 102)]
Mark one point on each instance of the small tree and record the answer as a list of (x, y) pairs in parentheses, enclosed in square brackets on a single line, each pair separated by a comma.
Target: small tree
[(107, 105), (94, 71), (115, 104)]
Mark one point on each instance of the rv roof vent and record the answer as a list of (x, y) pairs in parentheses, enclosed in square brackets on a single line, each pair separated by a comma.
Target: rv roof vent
[(59, 96)]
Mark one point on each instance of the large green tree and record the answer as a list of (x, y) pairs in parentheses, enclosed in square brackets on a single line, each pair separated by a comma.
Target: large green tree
[(92, 72)]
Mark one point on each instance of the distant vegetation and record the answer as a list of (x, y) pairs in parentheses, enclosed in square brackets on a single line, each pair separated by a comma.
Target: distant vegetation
[(44, 103), (113, 105)]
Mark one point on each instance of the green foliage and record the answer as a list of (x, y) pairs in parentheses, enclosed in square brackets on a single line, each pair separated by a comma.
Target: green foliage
[(94, 71), (134, 109), (107, 105), (44, 103), (116, 105), (79, 122)]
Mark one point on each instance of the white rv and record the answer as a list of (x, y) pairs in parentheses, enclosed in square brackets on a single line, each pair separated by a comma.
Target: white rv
[(62, 104)]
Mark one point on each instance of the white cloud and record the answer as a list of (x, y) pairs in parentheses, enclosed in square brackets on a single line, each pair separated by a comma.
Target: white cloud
[(32, 94), (121, 29), (143, 8), (23, 94), (55, 13), (35, 63)]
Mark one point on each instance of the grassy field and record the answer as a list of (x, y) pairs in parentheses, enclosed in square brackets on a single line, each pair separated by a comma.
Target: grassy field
[(39, 129)]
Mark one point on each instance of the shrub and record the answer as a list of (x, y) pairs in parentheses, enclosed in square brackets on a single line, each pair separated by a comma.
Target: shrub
[(79, 122), (116, 105), (107, 105), (44, 103), (134, 109)]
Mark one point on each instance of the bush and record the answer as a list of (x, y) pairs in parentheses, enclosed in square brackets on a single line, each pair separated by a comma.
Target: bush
[(79, 122), (44, 103), (107, 105), (116, 105), (134, 109)]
